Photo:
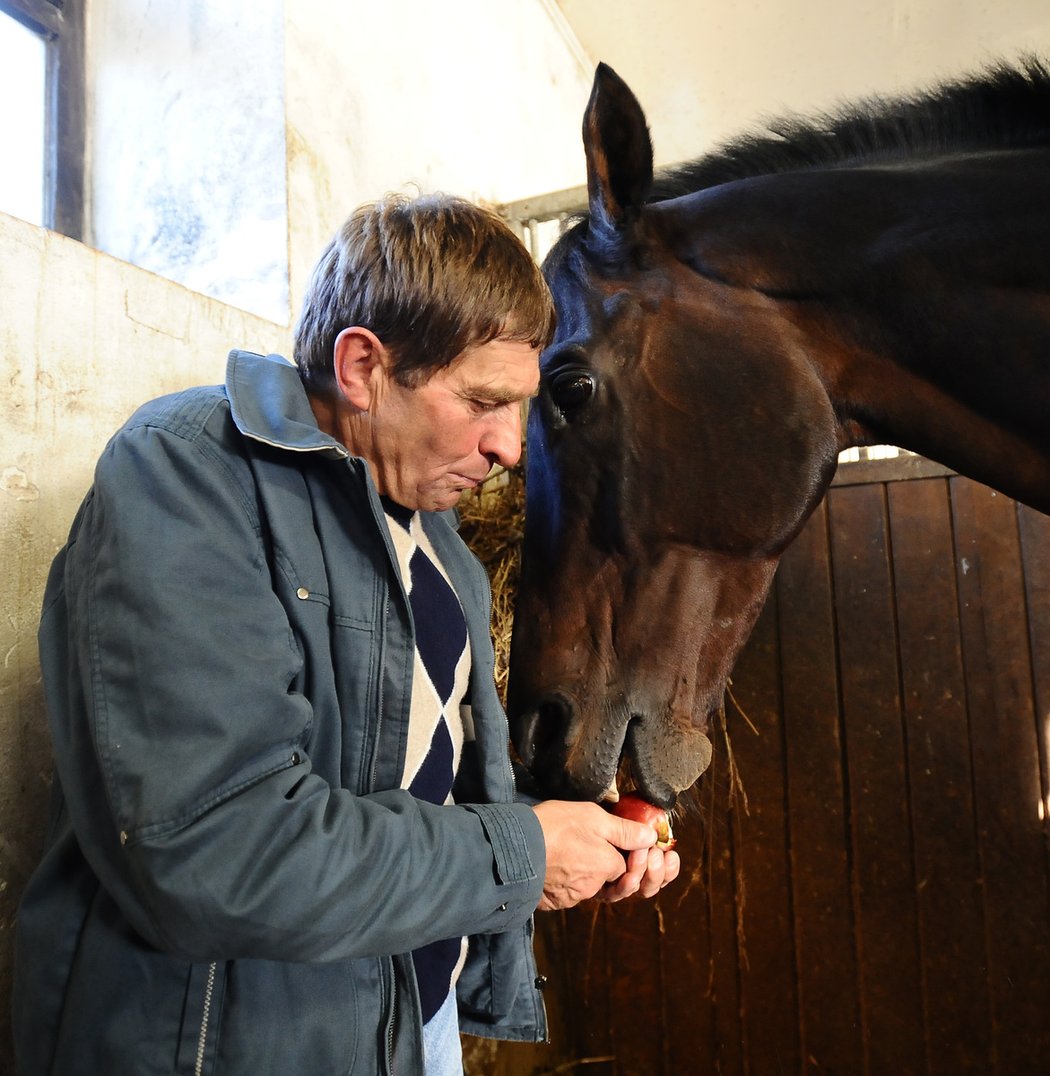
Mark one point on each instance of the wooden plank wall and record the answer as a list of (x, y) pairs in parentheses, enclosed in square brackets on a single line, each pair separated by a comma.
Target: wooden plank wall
[(866, 870)]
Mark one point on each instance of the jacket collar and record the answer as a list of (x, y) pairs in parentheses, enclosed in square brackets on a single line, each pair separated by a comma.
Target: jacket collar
[(269, 404)]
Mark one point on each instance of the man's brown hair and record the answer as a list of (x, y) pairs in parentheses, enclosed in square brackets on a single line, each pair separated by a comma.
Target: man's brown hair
[(430, 276)]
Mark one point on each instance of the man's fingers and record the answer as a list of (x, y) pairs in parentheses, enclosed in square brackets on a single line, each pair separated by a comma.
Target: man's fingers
[(630, 835), (637, 866), (672, 866), (621, 889), (655, 876), (658, 868), (637, 861), (591, 852)]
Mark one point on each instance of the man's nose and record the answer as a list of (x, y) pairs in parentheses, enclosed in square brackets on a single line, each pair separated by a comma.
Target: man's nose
[(501, 441)]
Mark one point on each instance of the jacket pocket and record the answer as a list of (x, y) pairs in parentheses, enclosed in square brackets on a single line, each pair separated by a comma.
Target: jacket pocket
[(201, 1012), (284, 1017)]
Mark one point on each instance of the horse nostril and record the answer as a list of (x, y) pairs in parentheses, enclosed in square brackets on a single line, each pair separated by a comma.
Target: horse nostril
[(524, 730), (542, 729)]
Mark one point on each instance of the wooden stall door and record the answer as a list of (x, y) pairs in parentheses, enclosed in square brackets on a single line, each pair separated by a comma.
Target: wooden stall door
[(865, 883)]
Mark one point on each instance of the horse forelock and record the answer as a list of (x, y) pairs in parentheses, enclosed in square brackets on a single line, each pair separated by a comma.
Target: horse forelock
[(562, 255), (1007, 106), (572, 262), (589, 249)]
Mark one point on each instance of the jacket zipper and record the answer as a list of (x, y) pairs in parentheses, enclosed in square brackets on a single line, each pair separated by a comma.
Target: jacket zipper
[(202, 1041), (385, 540), (393, 1017), (508, 769), (379, 695)]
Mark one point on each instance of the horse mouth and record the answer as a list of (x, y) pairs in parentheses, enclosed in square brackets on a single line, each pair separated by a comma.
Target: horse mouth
[(655, 758), (666, 758), (624, 784)]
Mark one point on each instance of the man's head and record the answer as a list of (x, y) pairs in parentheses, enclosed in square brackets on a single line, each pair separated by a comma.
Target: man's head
[(419, 341), (430, 277)]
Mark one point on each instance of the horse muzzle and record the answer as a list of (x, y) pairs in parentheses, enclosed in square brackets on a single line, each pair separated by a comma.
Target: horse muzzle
[(545, 736), (571, 757)]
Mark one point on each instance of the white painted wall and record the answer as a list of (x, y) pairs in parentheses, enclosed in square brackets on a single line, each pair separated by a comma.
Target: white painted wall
[(705, 70), (473, 97)]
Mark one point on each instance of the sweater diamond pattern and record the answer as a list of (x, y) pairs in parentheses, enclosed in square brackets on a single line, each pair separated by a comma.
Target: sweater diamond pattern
[(435, 734)]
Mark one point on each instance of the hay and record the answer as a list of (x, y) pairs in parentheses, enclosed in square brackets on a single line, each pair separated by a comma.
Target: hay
[(492, 523)]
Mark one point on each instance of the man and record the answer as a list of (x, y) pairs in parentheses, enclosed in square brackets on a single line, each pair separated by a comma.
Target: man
[(285, 836)]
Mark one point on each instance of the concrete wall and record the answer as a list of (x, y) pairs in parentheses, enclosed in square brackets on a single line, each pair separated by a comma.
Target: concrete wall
[(84, 339), (379, 97)]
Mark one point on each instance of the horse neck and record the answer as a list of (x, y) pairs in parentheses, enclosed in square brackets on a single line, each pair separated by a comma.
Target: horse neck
[(881, 401), (921, 294), (948, 354)]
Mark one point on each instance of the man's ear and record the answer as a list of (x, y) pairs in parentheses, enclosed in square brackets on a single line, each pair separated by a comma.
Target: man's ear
[(357, 362)]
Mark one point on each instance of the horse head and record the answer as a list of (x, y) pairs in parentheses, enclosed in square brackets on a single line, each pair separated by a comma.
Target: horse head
[(679, 441)]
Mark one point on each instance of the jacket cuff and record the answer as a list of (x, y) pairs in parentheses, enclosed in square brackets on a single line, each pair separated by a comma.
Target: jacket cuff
[(514, 832)]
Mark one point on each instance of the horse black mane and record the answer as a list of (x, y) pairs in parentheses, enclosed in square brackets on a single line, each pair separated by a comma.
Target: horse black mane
[(1005, 106)]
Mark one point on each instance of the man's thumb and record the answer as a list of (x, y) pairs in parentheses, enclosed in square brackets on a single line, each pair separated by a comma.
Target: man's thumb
[(633, 835)]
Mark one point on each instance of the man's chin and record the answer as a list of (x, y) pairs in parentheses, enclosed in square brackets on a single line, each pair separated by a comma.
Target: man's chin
[(442, 502), (441, 497)]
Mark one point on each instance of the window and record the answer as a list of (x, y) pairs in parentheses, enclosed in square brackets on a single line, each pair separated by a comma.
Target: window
[(42, 122), (184, 169), (23, 61), (187, 161)]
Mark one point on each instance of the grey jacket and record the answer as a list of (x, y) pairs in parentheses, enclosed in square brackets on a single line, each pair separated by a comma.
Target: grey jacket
[(232, 871)]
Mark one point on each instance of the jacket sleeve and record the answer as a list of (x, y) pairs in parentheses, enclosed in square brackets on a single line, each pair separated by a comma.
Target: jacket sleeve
[(215, 834)]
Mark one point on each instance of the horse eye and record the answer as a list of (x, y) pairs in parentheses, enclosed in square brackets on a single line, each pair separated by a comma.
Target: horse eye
[(569, 391)]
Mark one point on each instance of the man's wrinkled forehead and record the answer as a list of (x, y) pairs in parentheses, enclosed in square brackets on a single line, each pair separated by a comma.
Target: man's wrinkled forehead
[(501, 371)]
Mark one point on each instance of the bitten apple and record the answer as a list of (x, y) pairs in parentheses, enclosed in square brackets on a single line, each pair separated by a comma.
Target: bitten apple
[(639, 810)]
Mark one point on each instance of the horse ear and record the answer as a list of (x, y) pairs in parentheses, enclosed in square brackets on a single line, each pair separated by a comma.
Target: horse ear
[(619, 151)]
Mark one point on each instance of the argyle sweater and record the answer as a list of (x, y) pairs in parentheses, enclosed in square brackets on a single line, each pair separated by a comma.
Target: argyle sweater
[(440, 679)]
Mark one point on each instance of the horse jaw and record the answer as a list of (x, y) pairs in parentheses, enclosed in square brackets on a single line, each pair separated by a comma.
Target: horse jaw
[(635, 664)]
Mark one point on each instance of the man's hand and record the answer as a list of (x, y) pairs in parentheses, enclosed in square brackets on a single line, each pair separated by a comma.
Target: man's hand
[(591, 853)]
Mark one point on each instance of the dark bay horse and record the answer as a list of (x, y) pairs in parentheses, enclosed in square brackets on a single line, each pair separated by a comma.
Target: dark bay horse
[(882, 276)]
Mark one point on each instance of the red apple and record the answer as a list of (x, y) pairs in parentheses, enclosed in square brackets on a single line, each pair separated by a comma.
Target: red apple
[(639, 810)]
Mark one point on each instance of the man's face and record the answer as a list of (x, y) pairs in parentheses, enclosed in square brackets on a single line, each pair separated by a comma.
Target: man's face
[(432, 442)]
